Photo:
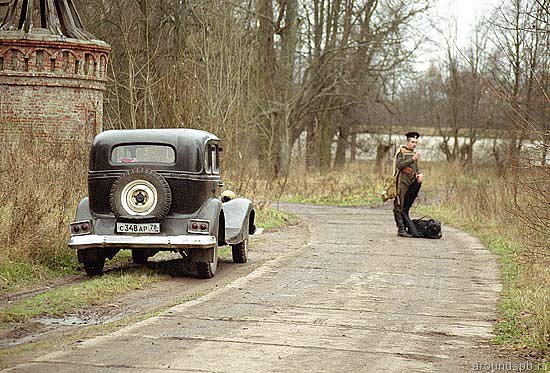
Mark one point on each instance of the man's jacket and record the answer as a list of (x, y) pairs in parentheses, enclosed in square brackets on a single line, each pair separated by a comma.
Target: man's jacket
[(405, 167)]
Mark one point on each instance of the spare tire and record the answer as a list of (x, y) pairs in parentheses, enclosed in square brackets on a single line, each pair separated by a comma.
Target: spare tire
[(140, 192)]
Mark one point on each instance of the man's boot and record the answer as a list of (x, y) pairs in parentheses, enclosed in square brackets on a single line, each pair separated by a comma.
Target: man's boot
[(401, 232), (410, 225)]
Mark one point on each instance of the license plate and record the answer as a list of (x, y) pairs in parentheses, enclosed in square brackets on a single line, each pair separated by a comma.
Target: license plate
[(138, 228)]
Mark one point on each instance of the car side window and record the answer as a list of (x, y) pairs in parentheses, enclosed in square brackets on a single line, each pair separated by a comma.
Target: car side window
[(212, 159), (215, 159)]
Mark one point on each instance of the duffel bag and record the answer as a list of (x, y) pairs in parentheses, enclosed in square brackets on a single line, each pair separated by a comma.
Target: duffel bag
[(428, 228), (389, 189)]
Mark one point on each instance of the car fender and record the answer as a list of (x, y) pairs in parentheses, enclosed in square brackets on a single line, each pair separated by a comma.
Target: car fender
[(239, 220), (210, 211), (83, 210)]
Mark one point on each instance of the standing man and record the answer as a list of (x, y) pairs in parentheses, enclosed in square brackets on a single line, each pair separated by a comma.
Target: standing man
[(409, 180)]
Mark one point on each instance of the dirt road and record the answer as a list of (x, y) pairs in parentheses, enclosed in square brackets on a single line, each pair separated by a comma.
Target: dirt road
[(355, 297)]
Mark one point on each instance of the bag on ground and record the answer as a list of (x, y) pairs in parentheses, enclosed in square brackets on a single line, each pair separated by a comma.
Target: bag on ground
[(428, 228)]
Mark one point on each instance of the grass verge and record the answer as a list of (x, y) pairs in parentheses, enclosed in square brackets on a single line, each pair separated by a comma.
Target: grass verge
[(18, 275), (328, 200), (355, 185), (271, 218), (63, 300)]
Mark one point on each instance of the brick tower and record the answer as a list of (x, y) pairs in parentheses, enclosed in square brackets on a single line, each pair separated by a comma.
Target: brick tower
[(52, 77)]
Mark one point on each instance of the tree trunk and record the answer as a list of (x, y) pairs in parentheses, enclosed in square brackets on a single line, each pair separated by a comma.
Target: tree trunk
[(353, 147), (444, 146), (289, 41), (269, 138), (311, 142), (382, 151), (325, 143), (341, 147)]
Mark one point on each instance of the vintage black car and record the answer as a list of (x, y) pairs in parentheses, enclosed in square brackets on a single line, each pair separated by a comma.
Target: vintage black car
[(158, 189)]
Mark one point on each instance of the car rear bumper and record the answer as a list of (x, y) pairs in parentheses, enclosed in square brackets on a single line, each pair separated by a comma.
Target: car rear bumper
[(138, 242)]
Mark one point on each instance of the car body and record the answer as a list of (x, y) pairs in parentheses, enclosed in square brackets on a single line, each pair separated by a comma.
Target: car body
[(158, 189)]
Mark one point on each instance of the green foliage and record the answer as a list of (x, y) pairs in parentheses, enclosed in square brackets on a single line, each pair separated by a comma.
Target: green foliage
[(57, 257), (15, 275), (327, 200), (224, 251), (57, 262), (363, 197), (271, 218), (63, 300)]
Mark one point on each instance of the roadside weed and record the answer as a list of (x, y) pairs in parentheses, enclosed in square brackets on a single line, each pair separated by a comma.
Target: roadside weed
[(271, 218)]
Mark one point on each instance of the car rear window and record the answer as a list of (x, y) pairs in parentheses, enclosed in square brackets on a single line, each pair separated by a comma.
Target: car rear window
[(143, 153)]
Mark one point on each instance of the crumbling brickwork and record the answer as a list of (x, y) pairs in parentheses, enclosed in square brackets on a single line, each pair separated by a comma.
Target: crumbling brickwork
[(51, 87)]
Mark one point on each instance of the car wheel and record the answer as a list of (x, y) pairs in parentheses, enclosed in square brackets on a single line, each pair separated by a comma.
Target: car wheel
[(240, 252), (208, 270), (139, 257), (94, 267), (93, 260), (140, 192)]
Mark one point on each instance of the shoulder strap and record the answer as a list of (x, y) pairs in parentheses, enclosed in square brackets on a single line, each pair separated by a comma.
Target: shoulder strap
[(394, 166)]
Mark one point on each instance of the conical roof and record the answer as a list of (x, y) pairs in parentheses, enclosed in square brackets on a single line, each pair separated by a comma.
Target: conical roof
[(50, 17)]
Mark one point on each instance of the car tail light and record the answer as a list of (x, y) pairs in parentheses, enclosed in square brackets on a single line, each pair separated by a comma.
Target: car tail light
[(81, 227), (198, 226)]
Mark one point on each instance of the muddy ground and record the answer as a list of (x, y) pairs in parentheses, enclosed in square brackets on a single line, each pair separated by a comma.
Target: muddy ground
[(340, 292)]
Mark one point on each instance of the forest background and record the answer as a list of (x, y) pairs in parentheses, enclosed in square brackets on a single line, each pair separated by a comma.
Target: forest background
[(292, 87)]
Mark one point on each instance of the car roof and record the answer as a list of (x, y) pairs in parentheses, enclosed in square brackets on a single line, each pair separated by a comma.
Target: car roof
[(187, 142), (175, 136)]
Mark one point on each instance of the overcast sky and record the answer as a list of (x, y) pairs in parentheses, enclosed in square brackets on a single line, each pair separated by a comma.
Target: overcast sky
[(465, 12)]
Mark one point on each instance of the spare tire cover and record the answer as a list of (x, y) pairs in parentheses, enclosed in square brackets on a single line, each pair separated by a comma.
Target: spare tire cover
[(140, 192)]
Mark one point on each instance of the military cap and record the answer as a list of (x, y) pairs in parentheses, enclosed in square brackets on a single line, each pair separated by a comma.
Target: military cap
[(412, 134)]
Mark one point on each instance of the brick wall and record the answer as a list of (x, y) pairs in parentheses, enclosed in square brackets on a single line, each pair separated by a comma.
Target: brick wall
[(51, 88)]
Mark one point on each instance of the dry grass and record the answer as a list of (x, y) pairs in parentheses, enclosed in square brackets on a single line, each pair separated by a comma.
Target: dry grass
[(357, 184), (40, 187)]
